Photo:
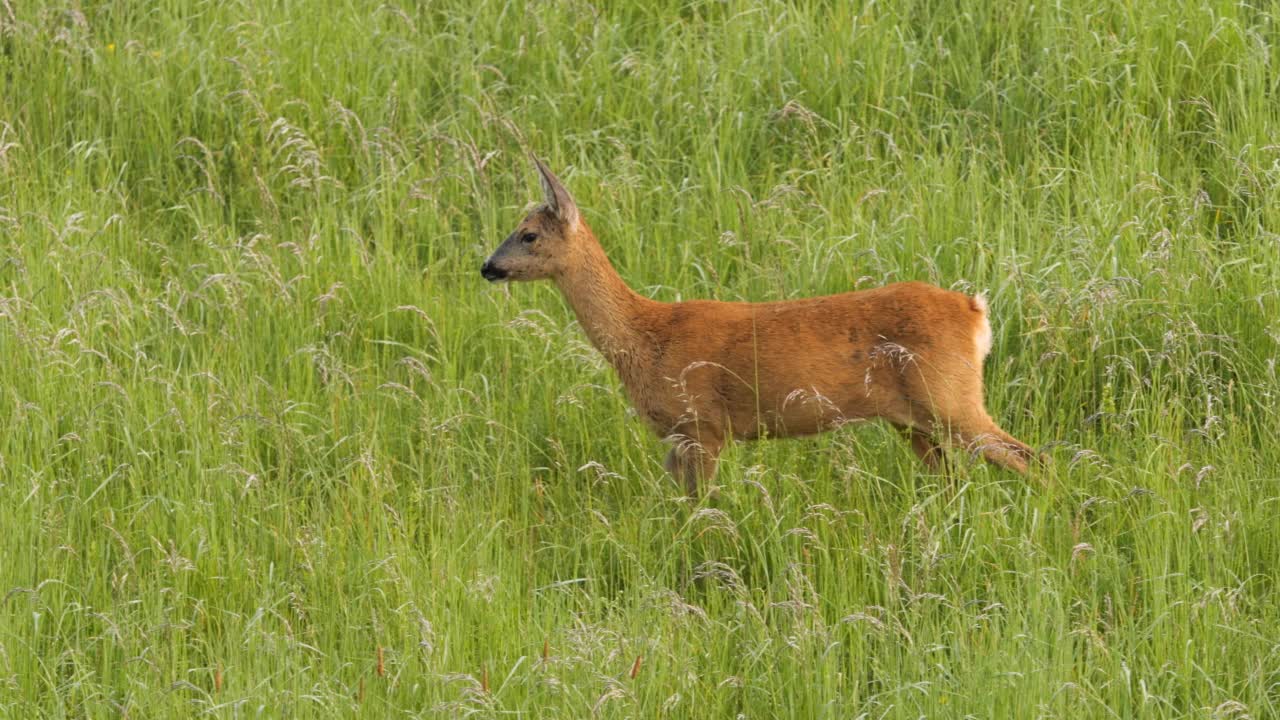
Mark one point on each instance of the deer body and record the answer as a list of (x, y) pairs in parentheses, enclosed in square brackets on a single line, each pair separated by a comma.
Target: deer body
[(701, 372)]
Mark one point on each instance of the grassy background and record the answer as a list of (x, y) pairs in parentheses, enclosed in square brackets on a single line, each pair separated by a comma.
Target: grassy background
[(270, 447)]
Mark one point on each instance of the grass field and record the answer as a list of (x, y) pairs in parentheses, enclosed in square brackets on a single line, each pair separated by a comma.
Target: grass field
[(270, 446)]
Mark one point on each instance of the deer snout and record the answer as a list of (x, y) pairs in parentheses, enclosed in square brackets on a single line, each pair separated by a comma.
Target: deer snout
[(491, 272)]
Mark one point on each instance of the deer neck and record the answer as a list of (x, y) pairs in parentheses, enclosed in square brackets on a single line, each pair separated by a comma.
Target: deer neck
[(606, 307)]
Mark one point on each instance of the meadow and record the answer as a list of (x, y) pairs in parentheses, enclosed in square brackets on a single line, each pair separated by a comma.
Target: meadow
[(270, 446)]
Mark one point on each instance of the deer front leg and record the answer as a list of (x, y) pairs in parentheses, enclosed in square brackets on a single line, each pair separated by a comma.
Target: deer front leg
[(694, 457)]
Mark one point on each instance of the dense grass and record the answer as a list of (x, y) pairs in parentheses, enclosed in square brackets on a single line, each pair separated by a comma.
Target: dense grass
[(269, 446)]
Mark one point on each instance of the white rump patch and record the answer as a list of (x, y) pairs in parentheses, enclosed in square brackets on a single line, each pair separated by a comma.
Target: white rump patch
[(982, 336)]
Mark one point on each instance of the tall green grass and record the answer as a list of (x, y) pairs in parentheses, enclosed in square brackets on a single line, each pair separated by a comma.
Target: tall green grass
[(270, 447)]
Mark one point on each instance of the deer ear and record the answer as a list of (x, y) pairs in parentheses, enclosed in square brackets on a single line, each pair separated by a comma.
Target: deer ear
[(558, 198)]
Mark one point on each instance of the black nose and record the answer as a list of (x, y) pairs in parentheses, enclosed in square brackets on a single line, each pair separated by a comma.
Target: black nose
[(492, 273)]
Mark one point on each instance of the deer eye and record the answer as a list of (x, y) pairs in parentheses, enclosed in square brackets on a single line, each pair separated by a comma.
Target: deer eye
[(528, 238)]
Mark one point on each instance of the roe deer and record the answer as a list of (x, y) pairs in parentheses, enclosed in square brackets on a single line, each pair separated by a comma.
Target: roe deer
[(701, 372)]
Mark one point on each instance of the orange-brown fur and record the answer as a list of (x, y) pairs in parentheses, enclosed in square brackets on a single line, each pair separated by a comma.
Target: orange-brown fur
[(703, 371)]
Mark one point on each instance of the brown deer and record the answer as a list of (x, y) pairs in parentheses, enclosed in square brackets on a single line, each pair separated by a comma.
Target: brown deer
[(702, 372)]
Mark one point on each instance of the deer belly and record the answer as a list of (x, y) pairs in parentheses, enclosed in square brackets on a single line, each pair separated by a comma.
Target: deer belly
[(797, 412), (805, 411)]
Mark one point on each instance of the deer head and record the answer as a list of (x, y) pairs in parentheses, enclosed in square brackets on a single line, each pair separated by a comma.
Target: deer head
[(545, 242)]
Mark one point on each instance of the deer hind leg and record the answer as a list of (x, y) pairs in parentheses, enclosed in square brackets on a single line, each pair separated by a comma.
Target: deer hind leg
[(925, 447), (694, 457), (961, 420), (928, 450), (982, 435)]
